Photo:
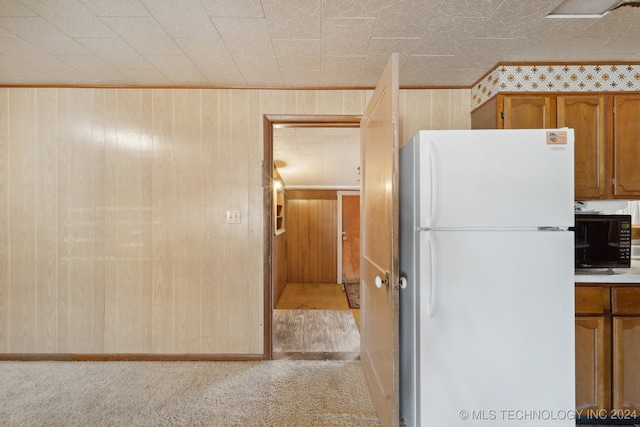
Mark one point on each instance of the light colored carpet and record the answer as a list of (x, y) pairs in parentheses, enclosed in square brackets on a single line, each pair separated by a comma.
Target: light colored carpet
[(315, 331), (269, 393)]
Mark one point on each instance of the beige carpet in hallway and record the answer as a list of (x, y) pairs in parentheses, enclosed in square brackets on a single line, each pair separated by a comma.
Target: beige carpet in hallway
[(269, 393)]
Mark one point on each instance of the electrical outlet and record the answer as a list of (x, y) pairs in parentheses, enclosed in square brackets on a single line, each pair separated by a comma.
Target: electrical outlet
[(233, 217)]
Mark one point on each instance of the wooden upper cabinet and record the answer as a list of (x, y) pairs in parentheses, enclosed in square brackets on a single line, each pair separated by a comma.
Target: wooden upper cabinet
[(626, 146), (529, 112), (586, 115), (607, 135)]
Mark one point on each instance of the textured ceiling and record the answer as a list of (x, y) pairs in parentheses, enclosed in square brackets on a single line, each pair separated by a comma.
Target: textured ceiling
[(293, 43), (318, 157)]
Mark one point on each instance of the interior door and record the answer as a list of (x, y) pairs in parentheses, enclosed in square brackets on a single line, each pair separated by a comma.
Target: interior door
[(379, 204), (350, 238)]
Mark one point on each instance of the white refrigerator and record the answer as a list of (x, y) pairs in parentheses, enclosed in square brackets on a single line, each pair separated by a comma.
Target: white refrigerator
[(487, 316)]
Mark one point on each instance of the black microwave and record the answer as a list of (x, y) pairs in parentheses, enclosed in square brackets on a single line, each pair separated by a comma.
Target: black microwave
[(602, 241)]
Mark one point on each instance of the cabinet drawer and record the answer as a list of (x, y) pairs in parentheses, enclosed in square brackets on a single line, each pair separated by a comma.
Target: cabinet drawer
[(625, 300), (590, 300)]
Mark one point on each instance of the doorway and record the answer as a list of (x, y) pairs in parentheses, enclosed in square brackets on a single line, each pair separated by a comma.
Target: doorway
[(349, 236), (318, 307)]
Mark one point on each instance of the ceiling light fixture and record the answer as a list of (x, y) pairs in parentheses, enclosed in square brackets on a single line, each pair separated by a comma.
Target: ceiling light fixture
[(585, 8)]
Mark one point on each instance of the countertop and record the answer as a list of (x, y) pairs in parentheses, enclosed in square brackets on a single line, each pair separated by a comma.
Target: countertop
[(620, 275)]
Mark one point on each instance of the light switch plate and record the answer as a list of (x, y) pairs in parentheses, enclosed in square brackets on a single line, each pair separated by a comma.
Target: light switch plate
[(233, 217)]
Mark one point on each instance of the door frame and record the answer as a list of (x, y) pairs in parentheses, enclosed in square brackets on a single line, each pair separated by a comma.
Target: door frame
[(339, 230), (268, 122)]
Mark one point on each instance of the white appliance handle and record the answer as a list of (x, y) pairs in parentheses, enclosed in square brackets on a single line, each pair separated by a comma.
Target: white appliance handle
[(430, 244), (433, 170)]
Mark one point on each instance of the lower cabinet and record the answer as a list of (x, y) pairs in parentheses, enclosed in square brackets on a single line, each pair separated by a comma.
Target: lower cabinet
[(608, 350), (625, 304), (593, 349), (593, 379)]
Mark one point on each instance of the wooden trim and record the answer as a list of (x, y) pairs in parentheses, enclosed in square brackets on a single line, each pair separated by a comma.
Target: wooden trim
[(609, 144), (268, 238), (635, 231), (78, 357), (311, 194), (315, 119)]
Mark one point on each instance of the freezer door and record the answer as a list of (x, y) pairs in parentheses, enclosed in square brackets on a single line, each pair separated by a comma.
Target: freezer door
[(495, 178), (496, 346)]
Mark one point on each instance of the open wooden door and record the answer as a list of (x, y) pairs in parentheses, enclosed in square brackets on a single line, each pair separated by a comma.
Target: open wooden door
[(379, 265)]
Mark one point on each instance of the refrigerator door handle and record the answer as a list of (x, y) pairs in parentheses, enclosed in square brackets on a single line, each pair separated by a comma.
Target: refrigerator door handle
[(430, 245), (433, 298), (433, 169)]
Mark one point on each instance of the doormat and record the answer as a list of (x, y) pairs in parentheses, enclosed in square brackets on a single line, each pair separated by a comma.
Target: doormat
[(352, 290)]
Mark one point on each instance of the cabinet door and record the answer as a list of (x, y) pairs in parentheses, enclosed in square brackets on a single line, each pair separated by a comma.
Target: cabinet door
[(626, 146), (593, 382), (529, 112), (586, 115), (626, 363)]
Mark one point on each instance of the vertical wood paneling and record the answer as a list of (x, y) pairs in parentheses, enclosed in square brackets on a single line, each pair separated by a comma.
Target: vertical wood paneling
[(112, 215), (311, 239), (188, 242), (80, 225), (315, 240), (417, 110), (128, 310), (460, 109), (225, 177), (163, 333), (254, 215), (22, 228), (353, 102), (99, 140), (64, 122), (111, 157), (306, 102), (328, 226), (330, 102), (145, 241), (5, 249), (46, 339), (212, 331), (293, 260), (235, 235), (304, 242), (272, 102), (433, 109), (440, 111)]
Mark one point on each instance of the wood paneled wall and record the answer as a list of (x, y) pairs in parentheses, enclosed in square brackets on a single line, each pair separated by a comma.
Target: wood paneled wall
[(312, 223), (112, 213)]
